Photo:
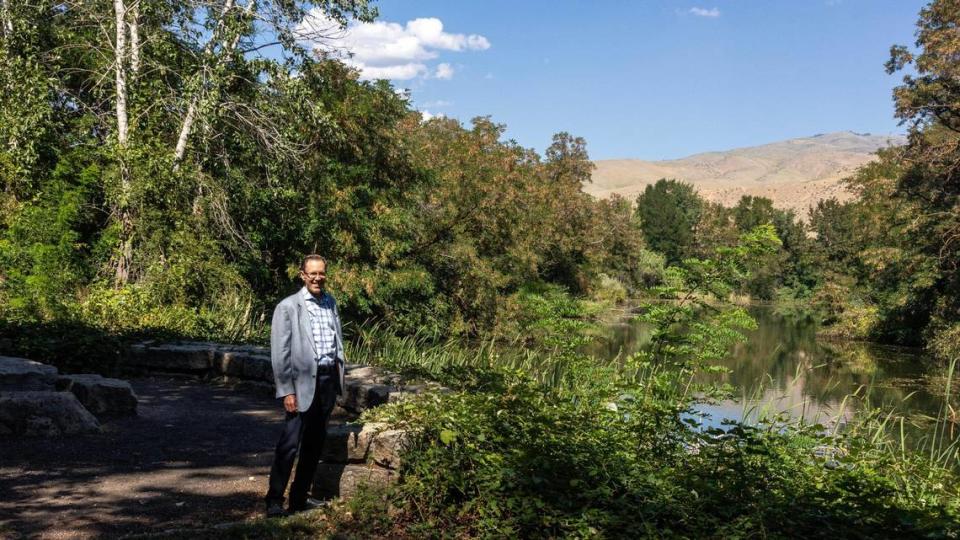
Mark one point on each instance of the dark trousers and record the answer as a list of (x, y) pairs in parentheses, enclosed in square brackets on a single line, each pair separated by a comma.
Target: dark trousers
[(303, 434)]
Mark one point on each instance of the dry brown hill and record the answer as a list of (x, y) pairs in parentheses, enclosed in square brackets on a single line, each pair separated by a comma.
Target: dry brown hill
[(795, 173)]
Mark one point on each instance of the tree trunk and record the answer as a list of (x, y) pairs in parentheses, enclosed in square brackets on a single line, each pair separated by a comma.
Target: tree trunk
[(134, 26), (125, 255), (125, 250), (7, 20), (185, 128), (121, 74)]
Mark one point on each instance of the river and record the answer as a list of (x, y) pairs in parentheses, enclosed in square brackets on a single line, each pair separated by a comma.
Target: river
[(783, 367)]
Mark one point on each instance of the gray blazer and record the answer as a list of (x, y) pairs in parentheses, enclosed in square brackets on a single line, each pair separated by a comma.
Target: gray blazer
[(291, 350)]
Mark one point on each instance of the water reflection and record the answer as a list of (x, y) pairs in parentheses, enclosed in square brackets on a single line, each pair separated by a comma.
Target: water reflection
[(783, 368)]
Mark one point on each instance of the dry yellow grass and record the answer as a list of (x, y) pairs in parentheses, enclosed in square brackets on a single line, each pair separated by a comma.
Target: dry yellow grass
[(795, 174)]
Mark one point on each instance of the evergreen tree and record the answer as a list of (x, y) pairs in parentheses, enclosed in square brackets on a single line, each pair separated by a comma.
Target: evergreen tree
[(669, 211)]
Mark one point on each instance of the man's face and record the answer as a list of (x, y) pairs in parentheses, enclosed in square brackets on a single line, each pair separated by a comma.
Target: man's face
[(314, 275)]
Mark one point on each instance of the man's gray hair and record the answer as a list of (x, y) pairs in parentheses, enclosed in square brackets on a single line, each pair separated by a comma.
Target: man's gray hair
[(312, 257)]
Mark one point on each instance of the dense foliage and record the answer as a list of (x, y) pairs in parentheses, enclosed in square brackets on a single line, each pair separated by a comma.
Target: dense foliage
[(183, 199), (669, 212), (548, 445), (898, 244), (157, 175), (679, 223)]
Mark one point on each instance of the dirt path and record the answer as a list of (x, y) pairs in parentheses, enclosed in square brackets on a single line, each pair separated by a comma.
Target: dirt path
[(196, 454)]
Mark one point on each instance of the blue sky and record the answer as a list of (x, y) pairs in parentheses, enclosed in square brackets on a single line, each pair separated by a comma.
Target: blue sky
[(645, 79)]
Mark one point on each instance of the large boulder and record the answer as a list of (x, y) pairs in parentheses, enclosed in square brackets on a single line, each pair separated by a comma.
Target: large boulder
[(102, 396), (359, 396), (345, 443), (20, 374), (44, 413), (343, 480), (387, 447), (244, 364), (372, 443)]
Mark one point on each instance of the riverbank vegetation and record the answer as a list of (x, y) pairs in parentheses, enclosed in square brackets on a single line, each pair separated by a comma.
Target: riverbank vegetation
[(551, 444), (160, 178)]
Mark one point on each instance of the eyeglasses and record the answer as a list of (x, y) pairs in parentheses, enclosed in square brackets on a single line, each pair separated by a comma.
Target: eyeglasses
[(315, 275)]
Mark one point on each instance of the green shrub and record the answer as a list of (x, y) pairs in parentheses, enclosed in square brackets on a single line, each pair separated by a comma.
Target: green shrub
[(945, 344), (650, 269), (231, 318), (796, 303), (609, 291), (612, 451), (91, 334), (550, 317), (522, 460), (43, 247)]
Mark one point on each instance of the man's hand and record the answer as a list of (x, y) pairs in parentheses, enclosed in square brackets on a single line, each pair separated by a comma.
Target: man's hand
[(290, 403)]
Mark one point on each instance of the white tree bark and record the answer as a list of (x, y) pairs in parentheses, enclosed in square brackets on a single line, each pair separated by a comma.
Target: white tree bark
[(125, 257), (121, 74), (134, 26), (191, 116), (7, 20)]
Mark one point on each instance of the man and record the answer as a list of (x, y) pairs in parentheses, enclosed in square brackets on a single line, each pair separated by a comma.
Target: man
[(306, 349)]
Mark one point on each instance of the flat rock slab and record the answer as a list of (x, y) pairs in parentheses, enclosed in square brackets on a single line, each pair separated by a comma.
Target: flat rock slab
[(387, 447), (20, 374), (102, 396), (44, 414), (370, 374)]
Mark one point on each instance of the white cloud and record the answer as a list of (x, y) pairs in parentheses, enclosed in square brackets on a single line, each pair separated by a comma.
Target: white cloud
[(444, 71), (427, 115), (440, 103), (400, 72), (704, 12), (389, 50)]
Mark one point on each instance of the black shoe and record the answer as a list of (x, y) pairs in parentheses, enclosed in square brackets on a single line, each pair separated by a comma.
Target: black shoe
[(275, 509), (308, 504)]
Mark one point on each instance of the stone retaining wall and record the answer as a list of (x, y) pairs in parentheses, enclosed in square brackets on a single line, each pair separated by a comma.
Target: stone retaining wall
[(365, 386), (36, 401), (354, 455)]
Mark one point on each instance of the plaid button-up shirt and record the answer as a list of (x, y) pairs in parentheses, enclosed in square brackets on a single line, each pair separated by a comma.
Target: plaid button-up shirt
[(323, 325)]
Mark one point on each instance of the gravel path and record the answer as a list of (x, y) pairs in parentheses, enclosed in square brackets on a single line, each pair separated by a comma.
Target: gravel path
[(196, 454)]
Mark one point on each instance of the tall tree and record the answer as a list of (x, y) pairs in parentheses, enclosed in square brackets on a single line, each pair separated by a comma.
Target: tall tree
[(928, 102), (567, 169), (669, 211), (752, 211), (182, 73)]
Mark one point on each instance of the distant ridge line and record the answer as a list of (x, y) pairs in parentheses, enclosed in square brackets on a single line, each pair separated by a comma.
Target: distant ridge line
[(794, 173)]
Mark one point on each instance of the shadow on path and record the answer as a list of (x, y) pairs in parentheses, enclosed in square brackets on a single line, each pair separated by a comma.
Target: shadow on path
[(196, 454)]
